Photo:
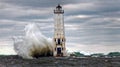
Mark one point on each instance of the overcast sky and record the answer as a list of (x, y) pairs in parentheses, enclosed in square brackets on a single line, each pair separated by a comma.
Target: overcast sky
[(91, 26)]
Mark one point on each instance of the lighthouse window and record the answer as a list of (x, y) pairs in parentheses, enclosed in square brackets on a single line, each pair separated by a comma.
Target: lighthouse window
[(58, 41), (55, 39), (62, 40)]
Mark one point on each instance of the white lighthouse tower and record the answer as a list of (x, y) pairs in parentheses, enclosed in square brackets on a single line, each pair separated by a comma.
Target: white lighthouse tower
[(59, 34)]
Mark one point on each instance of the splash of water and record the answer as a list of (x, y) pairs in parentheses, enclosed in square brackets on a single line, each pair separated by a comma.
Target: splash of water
[(33, 44)]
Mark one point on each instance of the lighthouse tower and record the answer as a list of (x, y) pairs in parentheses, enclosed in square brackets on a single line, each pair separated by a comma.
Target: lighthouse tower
[(59, 34)]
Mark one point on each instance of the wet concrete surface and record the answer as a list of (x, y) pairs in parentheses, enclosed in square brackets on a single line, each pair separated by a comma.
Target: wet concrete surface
[(16, 61)]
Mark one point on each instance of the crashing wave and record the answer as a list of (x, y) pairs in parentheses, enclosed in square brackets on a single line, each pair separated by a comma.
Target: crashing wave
[(34, 44)]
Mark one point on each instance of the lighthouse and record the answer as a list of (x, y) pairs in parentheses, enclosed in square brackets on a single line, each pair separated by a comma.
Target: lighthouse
[(59, 49)]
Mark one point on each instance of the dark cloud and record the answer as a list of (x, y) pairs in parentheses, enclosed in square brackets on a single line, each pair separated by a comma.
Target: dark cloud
[(41, 3)]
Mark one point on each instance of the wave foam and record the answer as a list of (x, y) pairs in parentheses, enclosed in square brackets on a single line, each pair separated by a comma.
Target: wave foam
[(33, 44)]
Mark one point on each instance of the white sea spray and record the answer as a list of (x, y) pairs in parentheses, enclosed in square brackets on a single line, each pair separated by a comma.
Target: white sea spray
[(33, 43)]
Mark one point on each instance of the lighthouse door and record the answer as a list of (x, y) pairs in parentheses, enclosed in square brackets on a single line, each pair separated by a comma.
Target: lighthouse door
[(59, 53), (58, 50)]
